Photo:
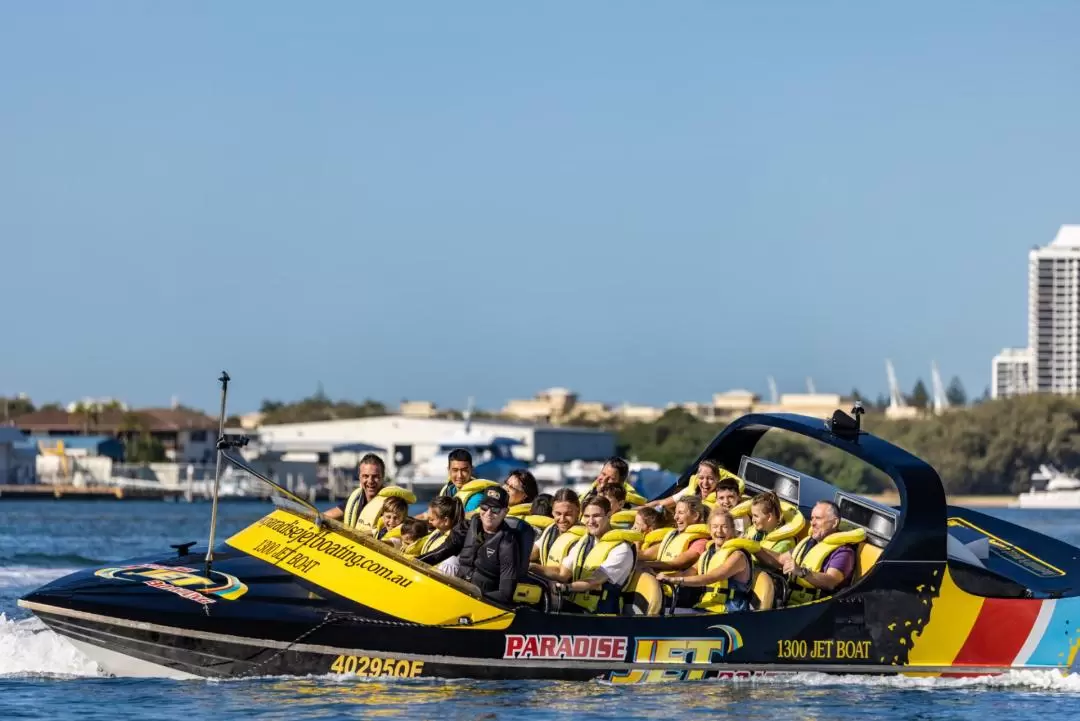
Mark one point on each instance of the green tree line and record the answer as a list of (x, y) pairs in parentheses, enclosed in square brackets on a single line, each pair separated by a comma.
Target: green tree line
[(318, 407), (989, 448)]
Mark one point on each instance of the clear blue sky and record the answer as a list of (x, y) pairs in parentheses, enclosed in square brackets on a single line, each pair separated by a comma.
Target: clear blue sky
[(643, 202)]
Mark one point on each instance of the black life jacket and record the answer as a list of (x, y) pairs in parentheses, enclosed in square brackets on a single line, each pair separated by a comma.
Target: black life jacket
[(479, 558)]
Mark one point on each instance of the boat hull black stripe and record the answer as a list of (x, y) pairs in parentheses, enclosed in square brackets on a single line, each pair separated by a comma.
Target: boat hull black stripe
[(446, 665), (102, 638), (169, 662)]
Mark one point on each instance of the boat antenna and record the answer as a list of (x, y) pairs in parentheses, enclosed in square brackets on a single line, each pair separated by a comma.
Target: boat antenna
[(224, 379)]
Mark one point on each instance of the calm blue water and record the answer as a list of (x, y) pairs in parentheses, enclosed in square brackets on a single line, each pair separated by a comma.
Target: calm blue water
[(41, 676)]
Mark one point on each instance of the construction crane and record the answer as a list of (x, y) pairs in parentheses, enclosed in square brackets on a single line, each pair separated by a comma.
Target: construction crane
[(898, 407), (941, 401), (896, 398), (467, 415)]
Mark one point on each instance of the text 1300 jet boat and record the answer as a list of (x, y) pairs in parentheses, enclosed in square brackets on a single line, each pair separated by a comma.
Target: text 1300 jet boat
[(938, 590)]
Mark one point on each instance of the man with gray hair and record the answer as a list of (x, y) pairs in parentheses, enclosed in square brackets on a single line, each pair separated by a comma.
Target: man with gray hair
[(826, 569)]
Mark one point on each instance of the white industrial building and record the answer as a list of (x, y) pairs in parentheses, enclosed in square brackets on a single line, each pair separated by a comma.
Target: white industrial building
[(406, 440)]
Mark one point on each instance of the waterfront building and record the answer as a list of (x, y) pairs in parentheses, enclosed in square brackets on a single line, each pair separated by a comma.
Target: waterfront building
[(1054, 313), (9, 438), (188, 436), (1010, 373), (1051, 361), (411, 440)]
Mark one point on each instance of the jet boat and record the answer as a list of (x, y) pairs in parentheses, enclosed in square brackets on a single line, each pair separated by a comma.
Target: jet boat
[(938, 590)]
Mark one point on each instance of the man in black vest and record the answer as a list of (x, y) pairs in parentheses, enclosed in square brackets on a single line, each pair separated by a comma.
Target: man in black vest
[(490, 557)]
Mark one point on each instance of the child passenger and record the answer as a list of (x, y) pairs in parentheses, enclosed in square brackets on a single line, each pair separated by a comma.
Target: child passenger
[(394, 512)]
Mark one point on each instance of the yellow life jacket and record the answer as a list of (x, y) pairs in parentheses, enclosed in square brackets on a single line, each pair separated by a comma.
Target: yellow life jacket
[(369, 518), (725, 474), (519, 510), (675, 543), (413, 549), (653, 537), (633, 498), (554, 545), (449, 489), (716, 596), (781, 538), (539, 523), (426, 544), (623, 519), (381, 534), (813, 559), (608, 598)]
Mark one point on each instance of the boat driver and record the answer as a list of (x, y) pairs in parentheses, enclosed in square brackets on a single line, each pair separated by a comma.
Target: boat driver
[(371, 472), (490, 556), (836, 569)]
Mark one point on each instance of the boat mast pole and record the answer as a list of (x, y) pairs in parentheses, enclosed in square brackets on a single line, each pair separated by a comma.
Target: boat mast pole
[(224, 379)]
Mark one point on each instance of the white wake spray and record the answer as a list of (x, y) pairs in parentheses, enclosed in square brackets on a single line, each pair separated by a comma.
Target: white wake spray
[(28, 648)]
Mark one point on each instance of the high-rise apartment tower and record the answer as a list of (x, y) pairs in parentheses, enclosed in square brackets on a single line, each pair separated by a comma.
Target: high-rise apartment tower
[(1054, 314)]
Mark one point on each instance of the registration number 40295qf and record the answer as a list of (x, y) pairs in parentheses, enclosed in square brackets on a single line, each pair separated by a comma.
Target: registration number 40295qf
[(371, 666)]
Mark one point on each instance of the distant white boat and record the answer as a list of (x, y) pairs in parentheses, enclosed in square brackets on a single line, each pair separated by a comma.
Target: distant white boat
[(1051, 488)]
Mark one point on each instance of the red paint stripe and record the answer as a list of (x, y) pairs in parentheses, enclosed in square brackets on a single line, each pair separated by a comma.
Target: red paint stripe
[(999, 632)]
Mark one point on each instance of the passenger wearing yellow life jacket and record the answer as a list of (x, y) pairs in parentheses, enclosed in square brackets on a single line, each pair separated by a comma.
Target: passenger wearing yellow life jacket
[(701, 484), (726, 495), (521, 485), (553, 542), (394, 512), (766, 517), (598, 566), (460, 483), (824, 561), (616, 496), (410, 533), (444, 514), (371, 472), (650, 523), (724, 570), (615, 472), (459, 470), (684, 544), (621, 516)]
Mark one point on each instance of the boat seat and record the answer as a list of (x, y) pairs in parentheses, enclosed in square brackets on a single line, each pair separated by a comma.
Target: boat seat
[(764, 589), (533, 590), (528, 593), (642, 596), (866, 555)]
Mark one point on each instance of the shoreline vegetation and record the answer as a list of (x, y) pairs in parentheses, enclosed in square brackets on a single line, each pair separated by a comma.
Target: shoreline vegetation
[(985, 452), (985, 449)]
